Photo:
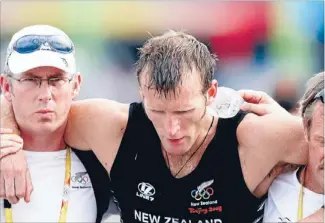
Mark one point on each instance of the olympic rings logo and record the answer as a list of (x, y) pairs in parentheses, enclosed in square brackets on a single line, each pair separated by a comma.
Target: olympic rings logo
[(205, 193), (83, 179)]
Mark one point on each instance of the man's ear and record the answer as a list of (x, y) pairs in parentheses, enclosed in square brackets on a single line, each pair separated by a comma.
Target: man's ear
[(5, 86), (212, 92), (76, 85)]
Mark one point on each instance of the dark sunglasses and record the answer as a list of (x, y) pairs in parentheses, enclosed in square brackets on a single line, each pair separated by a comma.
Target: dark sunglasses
[(319, 95), (31, 43)]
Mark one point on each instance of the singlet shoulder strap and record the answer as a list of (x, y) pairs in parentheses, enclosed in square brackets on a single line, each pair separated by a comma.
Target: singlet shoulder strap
[(99, 180)]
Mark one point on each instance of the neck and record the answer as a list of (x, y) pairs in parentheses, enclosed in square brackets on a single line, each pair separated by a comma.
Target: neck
[(310, 182), (48, 142)]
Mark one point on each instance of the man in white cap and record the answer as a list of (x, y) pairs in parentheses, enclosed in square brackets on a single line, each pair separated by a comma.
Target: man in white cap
[(40, 81)]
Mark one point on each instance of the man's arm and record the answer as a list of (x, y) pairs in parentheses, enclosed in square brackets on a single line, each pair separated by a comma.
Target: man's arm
[(272, 138), (262, 104), (7, 116), (263, 187), (15, 179), (97, 124), (265, 141)]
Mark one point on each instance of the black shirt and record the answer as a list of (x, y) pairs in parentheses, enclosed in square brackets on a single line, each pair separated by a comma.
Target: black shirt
[(214, 192)]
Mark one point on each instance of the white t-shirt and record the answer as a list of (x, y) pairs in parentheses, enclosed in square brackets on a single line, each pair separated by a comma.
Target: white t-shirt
[(47, 171), (283, 196)]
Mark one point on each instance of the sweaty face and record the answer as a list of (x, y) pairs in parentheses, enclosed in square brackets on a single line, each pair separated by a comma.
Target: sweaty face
[(41, 109), (316, 144), (177, 118)]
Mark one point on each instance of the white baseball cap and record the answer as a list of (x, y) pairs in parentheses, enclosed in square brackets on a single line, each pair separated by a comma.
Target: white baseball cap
[(44, 56)]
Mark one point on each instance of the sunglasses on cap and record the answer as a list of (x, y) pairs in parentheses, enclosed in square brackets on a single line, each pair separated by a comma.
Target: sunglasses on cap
[(32, 43), (319, 95)]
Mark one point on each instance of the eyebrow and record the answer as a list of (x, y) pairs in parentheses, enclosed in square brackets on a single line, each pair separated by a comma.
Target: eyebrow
[(49, 76)]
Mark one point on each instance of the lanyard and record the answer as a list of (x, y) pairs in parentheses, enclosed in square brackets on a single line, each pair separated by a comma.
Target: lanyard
[(66, 188), (301, 197)]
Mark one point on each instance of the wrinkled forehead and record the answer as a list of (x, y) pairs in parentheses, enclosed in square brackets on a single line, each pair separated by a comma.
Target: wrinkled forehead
[(44, 72), (188, 80), (182, 99)]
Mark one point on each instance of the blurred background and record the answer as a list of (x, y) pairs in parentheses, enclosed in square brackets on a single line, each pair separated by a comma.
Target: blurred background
[(270, 46)]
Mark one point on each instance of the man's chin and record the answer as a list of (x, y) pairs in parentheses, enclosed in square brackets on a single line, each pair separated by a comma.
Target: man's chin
[(44, 127), (177, 150)]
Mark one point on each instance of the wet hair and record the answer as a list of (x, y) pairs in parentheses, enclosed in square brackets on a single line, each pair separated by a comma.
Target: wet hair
[(165, 60)]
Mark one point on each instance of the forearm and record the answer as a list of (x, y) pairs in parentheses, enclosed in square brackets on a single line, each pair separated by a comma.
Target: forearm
[(7, 116), (316, 217)]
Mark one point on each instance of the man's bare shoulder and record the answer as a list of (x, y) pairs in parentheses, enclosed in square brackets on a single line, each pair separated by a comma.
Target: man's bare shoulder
[(248, 127), (254, 127), (99, 110), (99, 105), (91, 119)]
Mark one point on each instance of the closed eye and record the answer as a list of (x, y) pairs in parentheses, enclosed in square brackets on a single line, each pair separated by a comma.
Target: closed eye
[(181, 112), (184, 112), (157, 112)]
